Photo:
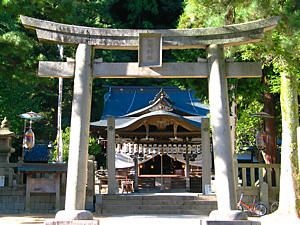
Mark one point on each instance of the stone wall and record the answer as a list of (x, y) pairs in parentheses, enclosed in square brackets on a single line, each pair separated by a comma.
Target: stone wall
[(12, 200)]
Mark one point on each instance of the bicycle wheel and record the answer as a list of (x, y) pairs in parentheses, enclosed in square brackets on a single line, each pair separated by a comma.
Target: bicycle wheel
[(274, 206), (260, 209), (239, 207)]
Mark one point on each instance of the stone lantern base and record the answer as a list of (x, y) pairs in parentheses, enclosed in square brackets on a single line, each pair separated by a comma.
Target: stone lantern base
[(73, 217)]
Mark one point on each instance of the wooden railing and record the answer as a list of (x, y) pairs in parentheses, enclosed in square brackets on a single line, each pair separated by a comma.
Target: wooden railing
[(251, 176)]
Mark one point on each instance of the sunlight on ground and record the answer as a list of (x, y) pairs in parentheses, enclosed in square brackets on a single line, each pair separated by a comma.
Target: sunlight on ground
[(16, 219), (32, 219)]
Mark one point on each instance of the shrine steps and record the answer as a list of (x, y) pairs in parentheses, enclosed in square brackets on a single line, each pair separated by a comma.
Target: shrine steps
[(137, 204)]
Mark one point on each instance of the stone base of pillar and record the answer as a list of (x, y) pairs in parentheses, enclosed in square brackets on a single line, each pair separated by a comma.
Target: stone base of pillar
[(232, 217), (229, 222), (73, 217), (228, 215), (72, 222)]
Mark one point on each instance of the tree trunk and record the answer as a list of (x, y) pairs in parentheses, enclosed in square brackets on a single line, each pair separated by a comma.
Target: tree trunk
[(269, 123), (290, 121)]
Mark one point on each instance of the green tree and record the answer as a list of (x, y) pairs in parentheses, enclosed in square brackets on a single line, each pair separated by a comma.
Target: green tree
[(22, 91), (140, 14)]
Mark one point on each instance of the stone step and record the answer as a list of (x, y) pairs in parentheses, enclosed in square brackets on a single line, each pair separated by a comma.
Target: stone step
[(155, 204), (159, 197), (159, 207), (129, 211), (139, 211), (160, 202)]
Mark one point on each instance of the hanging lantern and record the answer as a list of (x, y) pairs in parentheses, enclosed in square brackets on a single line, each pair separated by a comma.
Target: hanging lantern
[(29, 139)]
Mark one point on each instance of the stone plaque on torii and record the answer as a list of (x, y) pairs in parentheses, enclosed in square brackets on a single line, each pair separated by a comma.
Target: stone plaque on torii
[(150, 44)]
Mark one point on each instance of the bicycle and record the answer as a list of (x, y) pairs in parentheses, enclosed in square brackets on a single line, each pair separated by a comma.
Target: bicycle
[(255, 208), (274, 206)]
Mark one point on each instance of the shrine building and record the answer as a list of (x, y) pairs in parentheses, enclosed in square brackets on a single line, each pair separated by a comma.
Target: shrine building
[(158, 136)]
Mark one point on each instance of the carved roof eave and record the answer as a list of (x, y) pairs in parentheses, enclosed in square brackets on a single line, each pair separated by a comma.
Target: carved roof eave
[(171, 38), (138, 121), (140, 111), (142, 120)]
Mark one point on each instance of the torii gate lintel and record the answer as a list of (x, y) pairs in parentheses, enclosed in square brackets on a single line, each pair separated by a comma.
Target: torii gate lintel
[(168, 70)]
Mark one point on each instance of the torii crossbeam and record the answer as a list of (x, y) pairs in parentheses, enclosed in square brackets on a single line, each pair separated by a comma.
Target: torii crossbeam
[(128, 39), (149, 44)]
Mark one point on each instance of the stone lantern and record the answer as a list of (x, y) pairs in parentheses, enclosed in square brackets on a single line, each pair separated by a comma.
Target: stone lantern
[(6, 171), (5, 142)]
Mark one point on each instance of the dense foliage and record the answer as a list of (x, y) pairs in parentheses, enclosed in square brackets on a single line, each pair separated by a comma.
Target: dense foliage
[(21, 91), (272, 52)]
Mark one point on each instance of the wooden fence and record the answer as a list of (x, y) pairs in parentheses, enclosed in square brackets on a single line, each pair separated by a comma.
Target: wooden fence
[(253, 176)]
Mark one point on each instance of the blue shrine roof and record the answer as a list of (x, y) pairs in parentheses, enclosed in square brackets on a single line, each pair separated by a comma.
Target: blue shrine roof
[(130, 103), (119, 101)]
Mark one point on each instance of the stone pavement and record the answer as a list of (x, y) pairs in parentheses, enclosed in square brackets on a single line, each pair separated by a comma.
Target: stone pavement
[(38, 219), (28, 219)]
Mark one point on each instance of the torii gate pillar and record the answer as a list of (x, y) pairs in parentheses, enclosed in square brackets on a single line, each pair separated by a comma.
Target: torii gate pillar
[(219, 111), (79, 137)]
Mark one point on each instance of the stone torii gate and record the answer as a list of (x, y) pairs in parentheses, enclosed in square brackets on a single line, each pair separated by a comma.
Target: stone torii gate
[(149, 44)]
